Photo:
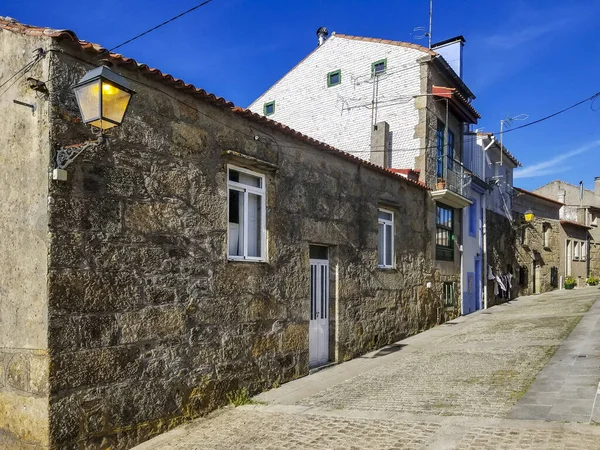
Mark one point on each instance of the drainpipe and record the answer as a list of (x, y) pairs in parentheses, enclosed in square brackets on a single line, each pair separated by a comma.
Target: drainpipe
[(484, 269)]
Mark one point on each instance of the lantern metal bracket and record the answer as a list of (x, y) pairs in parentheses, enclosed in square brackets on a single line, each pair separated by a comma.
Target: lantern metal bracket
[(66, 155)]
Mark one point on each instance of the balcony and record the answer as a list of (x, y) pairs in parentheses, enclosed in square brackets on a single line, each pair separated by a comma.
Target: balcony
[(448, 180)]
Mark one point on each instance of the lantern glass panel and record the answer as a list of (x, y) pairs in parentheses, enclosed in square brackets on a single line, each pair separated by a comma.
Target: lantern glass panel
[(114, 104), (88, 98)]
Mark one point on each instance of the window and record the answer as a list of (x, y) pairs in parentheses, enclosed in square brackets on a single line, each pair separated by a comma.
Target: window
[(546, 228), (379, 67), (450, 149), (444, 235), (448, 294), (439, 146), (576, 251), (269, 108), (385, 238), (246, 214), (473, 218), (525, 236), (334, 78), (583, 250)]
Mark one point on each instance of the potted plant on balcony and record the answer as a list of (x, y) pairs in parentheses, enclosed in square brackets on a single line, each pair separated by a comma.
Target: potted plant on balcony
[(570, 283), (593, 281), (441, 183)]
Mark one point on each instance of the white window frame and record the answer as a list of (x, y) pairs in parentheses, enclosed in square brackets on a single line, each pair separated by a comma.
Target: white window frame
[(583, 251), (247, 189), (385, 222), (576, 250)]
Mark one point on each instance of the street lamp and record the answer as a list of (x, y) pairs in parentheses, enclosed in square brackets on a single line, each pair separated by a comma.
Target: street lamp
[(103, 97), (529, 216)]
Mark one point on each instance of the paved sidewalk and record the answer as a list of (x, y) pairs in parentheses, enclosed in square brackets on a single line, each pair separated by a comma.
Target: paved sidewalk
[(566, 388), (452, 387)]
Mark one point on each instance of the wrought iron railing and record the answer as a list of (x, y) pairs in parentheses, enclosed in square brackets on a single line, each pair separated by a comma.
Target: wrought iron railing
[(444, 172)]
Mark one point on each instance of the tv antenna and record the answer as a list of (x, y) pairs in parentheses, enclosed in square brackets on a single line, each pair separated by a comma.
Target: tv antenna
[(507, 122), (423, 32)]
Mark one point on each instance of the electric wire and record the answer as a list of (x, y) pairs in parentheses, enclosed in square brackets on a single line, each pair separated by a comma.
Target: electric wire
[(22, 71), (429, 147), (200, 5)]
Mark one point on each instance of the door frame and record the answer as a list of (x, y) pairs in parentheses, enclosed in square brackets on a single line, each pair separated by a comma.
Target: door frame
[(319, 327)]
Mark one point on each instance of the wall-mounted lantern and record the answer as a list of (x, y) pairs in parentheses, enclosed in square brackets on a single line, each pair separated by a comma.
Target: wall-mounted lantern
[(103, 97), (529, 216)]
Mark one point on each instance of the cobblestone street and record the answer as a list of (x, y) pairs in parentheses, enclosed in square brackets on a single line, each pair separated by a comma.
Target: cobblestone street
[(468, 384)]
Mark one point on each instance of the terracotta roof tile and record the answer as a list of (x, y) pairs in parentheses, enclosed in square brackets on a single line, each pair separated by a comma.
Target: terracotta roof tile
[(321, 145), (9, 24)]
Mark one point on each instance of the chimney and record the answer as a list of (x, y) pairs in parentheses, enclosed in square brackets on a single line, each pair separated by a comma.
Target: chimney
[(452, 51), (322, 34), (380, 135), (597, 187), (561, 195)]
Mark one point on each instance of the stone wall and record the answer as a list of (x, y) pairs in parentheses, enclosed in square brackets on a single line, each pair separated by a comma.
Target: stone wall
[(594, 259), (539, 260), (150, 324), (23, 227)]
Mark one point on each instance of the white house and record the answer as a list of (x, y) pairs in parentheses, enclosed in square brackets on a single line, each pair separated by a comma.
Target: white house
[(399, 105)]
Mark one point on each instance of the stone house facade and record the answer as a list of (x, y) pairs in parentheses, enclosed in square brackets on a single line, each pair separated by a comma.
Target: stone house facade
[(575, 252), (539, 243), (202, 250), (582, 206)]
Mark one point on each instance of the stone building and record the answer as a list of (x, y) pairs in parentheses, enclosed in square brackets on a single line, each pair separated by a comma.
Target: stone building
[(539, 243), (203, 249), (582, 206)]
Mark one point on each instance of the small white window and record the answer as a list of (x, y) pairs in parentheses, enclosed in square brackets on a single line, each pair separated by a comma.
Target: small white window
[(246, 214), (577, 251), (385, 238), (583, 250)]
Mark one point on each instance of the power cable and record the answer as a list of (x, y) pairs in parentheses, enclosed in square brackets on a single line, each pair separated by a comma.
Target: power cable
[(23, 70), (68, 89), (160, 25)]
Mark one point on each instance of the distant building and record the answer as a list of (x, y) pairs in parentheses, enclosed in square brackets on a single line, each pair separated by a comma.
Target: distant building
[(581, 212), (538, 243)]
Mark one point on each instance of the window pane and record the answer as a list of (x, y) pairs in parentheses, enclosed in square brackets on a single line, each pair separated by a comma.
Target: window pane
[(236, 223), (250, 180), (318, 252), (254, 225), (384, 215), (388, 245), (380, 244)]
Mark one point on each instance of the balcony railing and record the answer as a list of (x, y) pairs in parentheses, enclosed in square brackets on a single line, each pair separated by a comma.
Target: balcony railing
[(444, 173)]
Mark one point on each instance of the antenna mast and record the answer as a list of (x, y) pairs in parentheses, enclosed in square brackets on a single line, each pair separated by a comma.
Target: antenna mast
[(430, 20)]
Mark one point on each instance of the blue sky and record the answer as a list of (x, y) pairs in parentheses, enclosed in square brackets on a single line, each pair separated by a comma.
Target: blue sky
[(519, 58)]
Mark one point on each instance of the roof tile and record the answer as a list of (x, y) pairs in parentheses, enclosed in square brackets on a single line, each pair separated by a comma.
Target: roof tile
[(14, 26)]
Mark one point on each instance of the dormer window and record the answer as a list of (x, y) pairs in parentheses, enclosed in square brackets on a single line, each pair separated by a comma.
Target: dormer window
[(379, 67), (334, 78), (269, 108)]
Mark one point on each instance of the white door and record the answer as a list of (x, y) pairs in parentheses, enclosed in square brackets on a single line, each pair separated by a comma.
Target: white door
[(319, 312)]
